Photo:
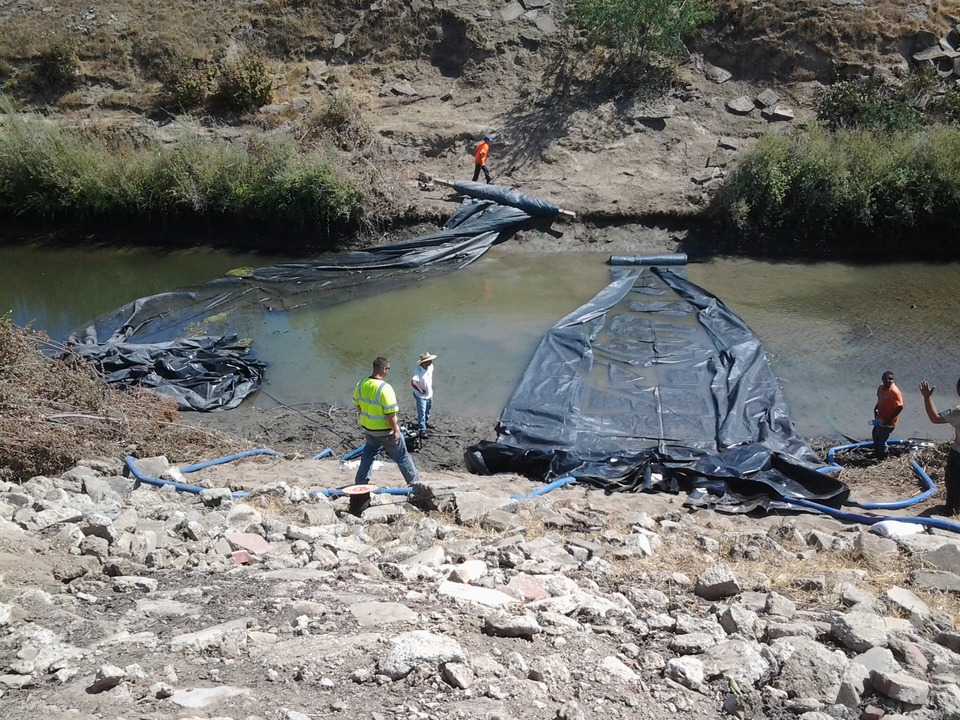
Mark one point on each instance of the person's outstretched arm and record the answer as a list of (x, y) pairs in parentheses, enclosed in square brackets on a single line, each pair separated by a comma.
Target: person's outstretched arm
[(927, 391)]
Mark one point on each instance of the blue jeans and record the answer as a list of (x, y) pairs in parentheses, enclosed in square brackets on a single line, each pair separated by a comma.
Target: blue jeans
[(881, 433), (396, 451), (423, 411)]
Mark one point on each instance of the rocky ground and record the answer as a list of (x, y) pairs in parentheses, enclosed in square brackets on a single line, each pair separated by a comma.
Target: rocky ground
[(256, 595)]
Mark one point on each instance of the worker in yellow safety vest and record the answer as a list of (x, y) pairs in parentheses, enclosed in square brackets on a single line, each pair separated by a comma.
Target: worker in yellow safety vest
[(376, 404)]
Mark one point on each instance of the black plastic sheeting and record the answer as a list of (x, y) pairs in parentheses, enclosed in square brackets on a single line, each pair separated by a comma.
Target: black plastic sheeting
[(200, 373), (148, 341), (656, 384)]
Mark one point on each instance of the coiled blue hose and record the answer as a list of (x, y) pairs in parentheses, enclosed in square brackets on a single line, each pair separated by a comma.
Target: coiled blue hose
[(897, 504), (931, 488)]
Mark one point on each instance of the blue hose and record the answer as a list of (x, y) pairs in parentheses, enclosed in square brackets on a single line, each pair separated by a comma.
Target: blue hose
[(132, 464), (868, 443), (566, 480), (920, 473), (228, 458), (354, 453), (323, 453), (897, 504), (871, 520), (931, 488), (196, 489)]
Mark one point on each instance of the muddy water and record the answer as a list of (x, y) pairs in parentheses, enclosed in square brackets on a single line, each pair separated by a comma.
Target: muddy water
[(57, 289), (829, 330)]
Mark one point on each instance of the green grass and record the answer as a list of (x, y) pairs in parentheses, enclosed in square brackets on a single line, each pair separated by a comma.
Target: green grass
[(852, 193), (268, 187)]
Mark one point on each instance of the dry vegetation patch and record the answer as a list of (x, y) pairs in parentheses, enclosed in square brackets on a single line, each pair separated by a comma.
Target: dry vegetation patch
[(53, 412)]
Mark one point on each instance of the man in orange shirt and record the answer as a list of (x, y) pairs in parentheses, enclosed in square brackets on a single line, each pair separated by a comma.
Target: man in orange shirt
[(480, 159), (885, 413)]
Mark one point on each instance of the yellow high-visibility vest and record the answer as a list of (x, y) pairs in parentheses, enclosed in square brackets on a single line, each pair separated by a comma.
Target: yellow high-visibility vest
[(376, 399)]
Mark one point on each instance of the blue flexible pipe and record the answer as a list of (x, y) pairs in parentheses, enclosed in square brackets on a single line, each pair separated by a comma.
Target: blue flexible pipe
[(931, 488), (132, 464), (196, 489), (870, 520), (354, 453), (323, 453), (896, 505), (560, 482), (229, 458), (868, 443)]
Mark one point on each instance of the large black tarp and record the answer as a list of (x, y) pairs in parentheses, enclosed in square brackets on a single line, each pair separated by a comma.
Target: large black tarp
[(656, 383), (149, 341)]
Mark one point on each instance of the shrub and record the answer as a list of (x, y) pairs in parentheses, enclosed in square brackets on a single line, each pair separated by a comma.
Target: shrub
[(872, 104), (49, 173), (849, 193), (946, 107), (633, 30), (339, 118), (57, 67), (188, 84), (55, 411), (244, 84), (311, 194)]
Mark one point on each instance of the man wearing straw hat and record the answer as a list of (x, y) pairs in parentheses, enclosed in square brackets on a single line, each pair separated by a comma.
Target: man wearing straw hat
[(422, 384)]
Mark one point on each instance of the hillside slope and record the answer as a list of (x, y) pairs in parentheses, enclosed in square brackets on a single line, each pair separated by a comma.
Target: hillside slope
[(398, 88)]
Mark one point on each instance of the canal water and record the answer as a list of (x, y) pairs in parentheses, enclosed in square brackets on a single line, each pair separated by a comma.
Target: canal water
[(829, 329)]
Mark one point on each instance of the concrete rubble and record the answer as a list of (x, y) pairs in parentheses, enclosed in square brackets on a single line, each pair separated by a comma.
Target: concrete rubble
[(460, 602)]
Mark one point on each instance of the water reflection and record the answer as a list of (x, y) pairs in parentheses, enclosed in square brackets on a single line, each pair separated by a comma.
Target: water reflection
[(59, 288), (829, 330)]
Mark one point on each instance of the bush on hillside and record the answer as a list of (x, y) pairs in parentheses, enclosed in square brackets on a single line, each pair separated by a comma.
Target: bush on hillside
[(187, 84), (632, 31), (48, 173), (55, 69), (872, 104), (946, 108), (340, 119), (849, 193), (244, 84)]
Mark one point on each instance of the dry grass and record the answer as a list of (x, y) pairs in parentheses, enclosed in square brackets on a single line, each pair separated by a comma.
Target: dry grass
[(817, 35), (55, 412), (824, 24)]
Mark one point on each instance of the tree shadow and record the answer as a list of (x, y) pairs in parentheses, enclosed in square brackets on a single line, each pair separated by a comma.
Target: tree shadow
[(571, 83)]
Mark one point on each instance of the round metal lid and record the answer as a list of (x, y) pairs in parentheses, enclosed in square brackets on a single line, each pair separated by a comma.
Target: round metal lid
[(359, 489)]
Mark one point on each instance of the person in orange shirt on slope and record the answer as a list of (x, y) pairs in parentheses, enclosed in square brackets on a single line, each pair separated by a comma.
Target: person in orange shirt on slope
[(480, 159)]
